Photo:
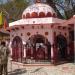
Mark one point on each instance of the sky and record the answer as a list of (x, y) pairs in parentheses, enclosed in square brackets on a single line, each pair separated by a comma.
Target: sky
[(3, 1)]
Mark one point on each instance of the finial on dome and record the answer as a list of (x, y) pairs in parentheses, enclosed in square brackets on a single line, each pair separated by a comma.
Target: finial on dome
[(38, 1)]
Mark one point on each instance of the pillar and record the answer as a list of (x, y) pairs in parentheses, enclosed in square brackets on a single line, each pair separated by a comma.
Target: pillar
[(54, 52)]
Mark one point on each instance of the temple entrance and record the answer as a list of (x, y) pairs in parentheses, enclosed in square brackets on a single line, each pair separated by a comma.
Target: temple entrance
[(17, 49), (38, 48), (71, 45), (62, 47)]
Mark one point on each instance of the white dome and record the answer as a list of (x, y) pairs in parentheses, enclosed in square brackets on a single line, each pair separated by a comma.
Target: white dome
[(37, 9)]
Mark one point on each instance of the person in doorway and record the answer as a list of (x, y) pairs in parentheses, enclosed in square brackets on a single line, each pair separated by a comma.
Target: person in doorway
[(4, 52)]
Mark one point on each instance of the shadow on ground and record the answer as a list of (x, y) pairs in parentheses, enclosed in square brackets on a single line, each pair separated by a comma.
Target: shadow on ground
[(18, 72), (62, 62)]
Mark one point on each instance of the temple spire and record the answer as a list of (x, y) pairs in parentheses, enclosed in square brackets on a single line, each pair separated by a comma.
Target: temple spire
[(38, 1)]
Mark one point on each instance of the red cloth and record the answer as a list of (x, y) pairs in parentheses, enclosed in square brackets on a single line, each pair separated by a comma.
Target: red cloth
[(5, 24)]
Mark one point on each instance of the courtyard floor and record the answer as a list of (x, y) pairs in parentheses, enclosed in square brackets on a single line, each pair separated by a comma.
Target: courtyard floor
[(15, 68)]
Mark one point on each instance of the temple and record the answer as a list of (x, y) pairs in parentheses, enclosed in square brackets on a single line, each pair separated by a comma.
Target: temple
[(41, 36)]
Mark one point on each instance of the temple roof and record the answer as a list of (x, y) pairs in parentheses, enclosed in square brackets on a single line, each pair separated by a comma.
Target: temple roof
[(38, 10)]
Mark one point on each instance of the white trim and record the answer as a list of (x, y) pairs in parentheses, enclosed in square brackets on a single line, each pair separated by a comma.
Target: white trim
[(34, 21)]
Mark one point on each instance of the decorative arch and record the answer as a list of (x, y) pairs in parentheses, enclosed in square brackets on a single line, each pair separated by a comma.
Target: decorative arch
[(54, 15), (34, 37), (62, 46), (49, 14), (41, 14), (27, 15), (38, 47), (34, 15), (24, 16), (17, 49)]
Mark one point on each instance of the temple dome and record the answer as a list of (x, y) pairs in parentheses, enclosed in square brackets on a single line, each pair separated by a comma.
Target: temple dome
[(38, 10)]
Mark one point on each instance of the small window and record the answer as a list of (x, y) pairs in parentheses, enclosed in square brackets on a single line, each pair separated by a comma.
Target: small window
[(27, 15), (46, 33), (42, 26), (28, 33), (41, 14), (32, 27)]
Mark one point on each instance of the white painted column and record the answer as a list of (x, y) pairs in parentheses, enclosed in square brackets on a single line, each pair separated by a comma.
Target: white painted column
[(10, 48), (24, 43), (24, 52), (52, 52)]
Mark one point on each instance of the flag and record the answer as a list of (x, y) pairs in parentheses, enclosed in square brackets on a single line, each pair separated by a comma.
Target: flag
[(5, 23), (1, 19)]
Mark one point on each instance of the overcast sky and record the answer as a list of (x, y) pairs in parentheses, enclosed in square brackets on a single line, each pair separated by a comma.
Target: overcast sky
[(32, 1), (3, 1)]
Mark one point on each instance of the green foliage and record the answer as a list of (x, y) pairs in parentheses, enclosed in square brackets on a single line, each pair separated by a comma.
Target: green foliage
[(14, 8), (68, 6)]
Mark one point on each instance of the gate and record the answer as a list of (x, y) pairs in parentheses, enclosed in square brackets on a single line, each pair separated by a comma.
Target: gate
[(17, 49), (38, 48)]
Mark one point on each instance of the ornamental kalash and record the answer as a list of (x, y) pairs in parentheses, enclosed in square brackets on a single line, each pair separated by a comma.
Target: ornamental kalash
[(40, 36)]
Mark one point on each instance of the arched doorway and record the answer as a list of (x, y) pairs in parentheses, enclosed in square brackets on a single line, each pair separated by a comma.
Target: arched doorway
[(17, 49), (62, 47), (38, 48), (71, 45)]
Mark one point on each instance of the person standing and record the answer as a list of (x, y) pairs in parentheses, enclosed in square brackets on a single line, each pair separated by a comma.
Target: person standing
[(4, 52)]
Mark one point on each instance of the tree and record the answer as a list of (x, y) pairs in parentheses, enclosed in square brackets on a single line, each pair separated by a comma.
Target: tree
[(14, 8), (68, 6), (52, 4)]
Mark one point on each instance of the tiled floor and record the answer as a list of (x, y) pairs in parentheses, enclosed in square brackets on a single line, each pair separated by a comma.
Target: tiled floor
[(48, 69)]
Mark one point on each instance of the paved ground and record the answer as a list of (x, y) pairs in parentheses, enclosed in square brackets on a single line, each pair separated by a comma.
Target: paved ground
[(48, 69)]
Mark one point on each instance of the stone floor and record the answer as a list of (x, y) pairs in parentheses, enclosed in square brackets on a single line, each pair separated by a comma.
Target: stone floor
[(15, 68)]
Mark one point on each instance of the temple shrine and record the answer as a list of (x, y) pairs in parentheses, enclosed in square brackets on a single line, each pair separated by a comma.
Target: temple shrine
[(41, 36)]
